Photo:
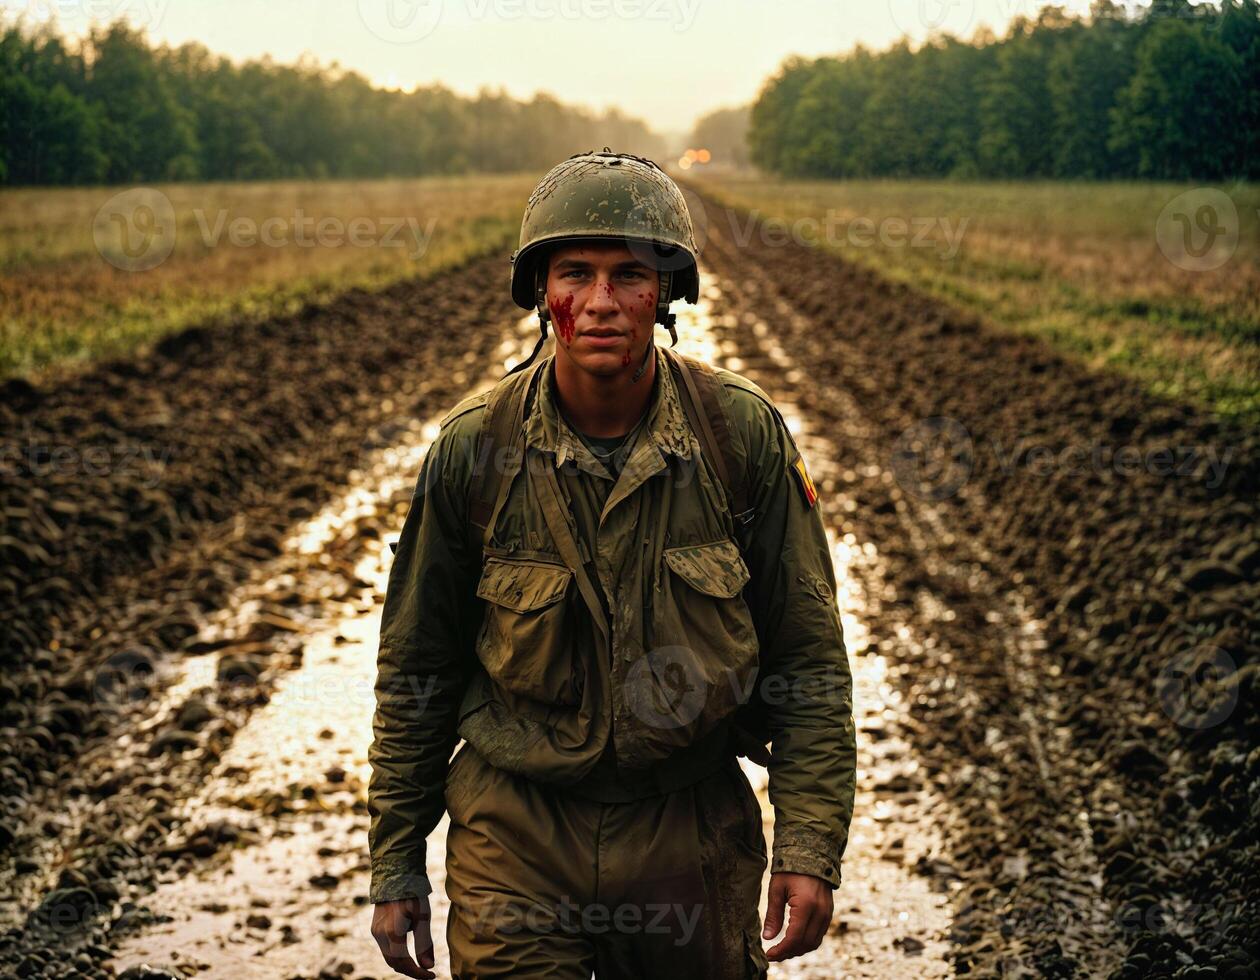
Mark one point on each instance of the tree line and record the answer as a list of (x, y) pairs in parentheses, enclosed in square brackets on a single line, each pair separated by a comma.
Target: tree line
[(1170, 91), (113, 108)]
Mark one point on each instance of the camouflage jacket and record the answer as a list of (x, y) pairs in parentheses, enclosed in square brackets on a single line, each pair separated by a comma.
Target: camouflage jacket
[(682, 618)]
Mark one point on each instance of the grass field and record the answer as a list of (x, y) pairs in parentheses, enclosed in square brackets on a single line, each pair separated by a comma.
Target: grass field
[(1097, 270), (85, 273)]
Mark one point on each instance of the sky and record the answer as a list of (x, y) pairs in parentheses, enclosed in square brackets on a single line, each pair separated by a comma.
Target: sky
[(666, 61)]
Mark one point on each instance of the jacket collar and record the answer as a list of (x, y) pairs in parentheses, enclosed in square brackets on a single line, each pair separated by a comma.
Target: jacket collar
[(666, 425)]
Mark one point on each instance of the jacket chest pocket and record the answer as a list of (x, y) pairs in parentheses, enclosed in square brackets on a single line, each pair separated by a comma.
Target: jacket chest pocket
[(526, 643), (706, 586), (702, 621)]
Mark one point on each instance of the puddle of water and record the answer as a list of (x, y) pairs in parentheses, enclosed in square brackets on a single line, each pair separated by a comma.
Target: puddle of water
[(318, 723)]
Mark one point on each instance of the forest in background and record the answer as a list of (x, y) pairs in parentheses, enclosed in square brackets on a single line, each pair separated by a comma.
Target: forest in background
[(114, 109), (1169, 91)]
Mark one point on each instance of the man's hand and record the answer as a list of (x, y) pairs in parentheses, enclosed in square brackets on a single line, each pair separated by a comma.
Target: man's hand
[(809, 898), (391, 921)]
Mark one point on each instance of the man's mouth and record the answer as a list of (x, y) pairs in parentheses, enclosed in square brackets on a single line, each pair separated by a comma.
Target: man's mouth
[(602, 337)]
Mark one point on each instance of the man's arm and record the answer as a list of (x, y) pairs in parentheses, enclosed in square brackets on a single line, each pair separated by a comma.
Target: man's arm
[(804, 682), (427, 630)]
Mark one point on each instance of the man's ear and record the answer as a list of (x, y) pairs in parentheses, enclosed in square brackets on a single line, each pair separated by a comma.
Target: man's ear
[(544, 263), (542, 270)]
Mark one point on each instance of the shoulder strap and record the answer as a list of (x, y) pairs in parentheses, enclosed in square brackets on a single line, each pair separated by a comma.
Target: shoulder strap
[(502, 425), (464, 407), (700, 388), (699, 385)]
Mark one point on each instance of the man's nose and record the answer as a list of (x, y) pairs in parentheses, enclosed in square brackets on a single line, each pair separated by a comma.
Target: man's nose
[(603, 298)]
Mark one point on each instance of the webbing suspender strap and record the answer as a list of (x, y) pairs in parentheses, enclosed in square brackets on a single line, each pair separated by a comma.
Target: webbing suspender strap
[(554, 514), (502, 423), (698, 387), (503, 426), (700, 422)]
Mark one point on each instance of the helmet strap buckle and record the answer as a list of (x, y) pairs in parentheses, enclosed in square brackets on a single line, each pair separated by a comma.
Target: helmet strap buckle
[(544, 317), (673, 334), (663, 316)]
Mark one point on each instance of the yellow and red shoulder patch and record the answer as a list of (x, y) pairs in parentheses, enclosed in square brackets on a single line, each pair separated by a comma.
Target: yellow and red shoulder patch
[(808, 490)]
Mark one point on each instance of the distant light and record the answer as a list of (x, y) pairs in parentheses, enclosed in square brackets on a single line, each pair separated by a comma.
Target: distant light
[(690, 156), (685, 163), (703, 156)]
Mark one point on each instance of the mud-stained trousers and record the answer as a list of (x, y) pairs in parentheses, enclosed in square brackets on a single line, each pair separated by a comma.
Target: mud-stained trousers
[(544, 883)]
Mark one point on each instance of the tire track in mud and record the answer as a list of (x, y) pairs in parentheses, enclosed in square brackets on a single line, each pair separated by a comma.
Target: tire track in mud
[(1021, 590), (99, 761), (1018, 635)]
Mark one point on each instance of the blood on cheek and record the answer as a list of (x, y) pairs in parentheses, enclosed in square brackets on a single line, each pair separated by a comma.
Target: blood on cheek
[(566, 322), (562, 314)]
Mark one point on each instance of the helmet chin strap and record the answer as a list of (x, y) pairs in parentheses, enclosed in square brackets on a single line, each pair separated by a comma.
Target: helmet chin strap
[(663, 317), (544, 317), (644, 363)]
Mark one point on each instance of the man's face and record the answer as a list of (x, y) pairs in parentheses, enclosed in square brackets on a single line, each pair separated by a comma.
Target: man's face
[(603, 306)]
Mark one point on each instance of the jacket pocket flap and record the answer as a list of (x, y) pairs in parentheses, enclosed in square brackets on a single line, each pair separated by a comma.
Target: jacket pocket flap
[(522, 585), (714, 569)]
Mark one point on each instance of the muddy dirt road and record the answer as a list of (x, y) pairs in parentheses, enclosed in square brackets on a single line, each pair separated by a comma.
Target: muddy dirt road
[(1055, 650)]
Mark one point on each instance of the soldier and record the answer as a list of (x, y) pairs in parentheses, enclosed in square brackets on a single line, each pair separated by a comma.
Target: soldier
[(612, 580)]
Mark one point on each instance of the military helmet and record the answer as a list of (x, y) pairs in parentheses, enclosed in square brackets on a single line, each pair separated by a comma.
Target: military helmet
[(611, 196)]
